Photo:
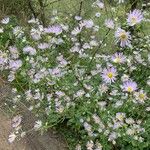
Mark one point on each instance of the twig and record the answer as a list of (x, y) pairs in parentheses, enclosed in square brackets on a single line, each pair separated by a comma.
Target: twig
[(42, 7), (133, 4), (93, 56), (31, 8)]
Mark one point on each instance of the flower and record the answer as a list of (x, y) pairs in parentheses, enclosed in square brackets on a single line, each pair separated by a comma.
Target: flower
[(15, 64), (123, 37), (135, 17), (43, 46), (12, 137), (98, 146), (140, 96), (121, 1), (5, 20), (109, 23), (120, 116), (17, 31), (35, 34), (1, 30), (16, 121), (38, 125), (112, 136), (109, 74), (78, 147), (88, 23), (100, 4), (76, 31), (56, 29), (118, 58), (98, 14), (30, 50), (129, 120), (90, 145), (78, 18), (129, 86)]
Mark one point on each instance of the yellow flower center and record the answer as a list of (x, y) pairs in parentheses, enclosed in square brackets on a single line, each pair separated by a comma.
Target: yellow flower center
[(129, 89), (142, 96), (123, 36), (120, 117), (133, 20), (110, 75), (117, 60)]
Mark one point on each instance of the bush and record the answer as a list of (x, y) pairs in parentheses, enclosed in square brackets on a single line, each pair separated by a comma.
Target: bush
[(87, 77)]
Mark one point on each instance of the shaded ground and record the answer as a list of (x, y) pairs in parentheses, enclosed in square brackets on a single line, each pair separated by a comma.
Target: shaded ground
[(34, 141)]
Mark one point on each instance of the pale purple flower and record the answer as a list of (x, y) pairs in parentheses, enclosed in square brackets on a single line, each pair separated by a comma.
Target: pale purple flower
[(16, 121), (112, 136), (88, 23), (43, 46), (98, 14), (15, 64), (109, 23), (29, 50), (78, 18), (17, 31), (109, 74), (123, 37), (100, 4), (135, 17), (129, 86), (76, 31), (118, 58), (35, 33), (14, 52), (56, 29), (3, 58)]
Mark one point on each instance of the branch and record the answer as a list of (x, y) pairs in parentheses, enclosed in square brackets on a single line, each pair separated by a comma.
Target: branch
[(31, 8), (42, 7)]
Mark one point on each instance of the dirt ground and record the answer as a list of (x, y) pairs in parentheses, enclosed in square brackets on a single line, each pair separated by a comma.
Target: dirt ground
[(48, 141)]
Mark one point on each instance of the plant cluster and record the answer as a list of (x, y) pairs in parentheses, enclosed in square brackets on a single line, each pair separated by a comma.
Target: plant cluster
[(87, 77)]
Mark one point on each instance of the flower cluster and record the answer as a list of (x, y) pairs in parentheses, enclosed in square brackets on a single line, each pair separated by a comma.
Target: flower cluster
[(72, 73)]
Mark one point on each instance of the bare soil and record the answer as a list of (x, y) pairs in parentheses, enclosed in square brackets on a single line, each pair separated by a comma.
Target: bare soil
[(33, 141)]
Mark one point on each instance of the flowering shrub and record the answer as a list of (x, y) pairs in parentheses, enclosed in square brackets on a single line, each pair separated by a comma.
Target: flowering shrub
[(87, 77)]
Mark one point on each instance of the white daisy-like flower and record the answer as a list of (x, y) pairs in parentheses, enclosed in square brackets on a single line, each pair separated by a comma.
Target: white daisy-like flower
[(11, 138), (140, 96), (135, 17), (5, 20), (1, 30), (118, 58), (129, 86), (109, 23), (120, 116), (109, 74), (123, 37), (38, 125)]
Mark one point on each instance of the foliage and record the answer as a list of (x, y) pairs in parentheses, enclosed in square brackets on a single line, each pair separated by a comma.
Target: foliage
[(87, 74)]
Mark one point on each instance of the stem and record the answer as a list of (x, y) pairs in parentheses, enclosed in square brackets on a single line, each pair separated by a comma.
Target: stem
[(93, 56), (31, 8), (42, 7), (80, 11), (133, 4)]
